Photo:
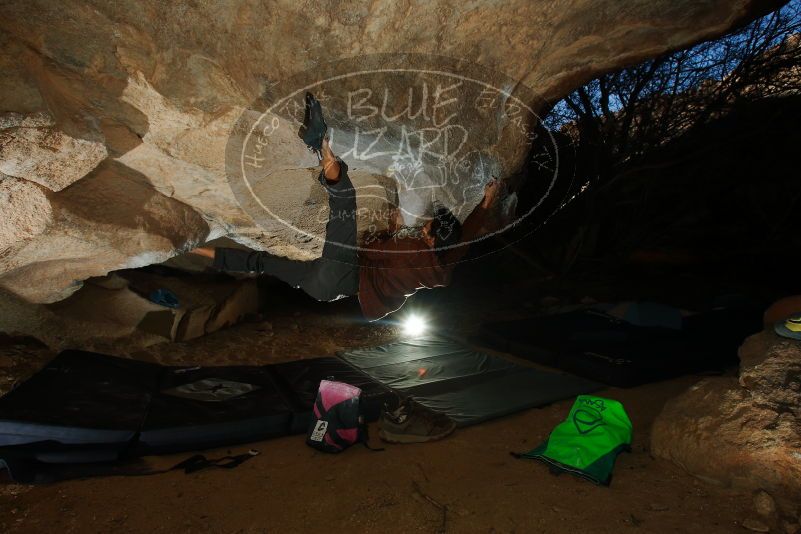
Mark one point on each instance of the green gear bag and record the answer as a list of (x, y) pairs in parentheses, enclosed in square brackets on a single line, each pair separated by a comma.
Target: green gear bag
[(588, 441)]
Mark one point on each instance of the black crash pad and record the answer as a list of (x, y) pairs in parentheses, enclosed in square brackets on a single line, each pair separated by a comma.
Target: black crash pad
[(601, 347), (88, 407)]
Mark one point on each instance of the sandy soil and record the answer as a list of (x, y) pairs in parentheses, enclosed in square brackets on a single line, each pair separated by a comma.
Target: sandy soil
[(465, 483)]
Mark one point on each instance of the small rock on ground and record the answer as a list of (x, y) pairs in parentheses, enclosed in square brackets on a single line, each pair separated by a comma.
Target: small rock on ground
[(764, 504), (755, 525)]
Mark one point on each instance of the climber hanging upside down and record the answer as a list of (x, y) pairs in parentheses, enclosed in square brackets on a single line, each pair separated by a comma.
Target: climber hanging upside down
[(384, 273)]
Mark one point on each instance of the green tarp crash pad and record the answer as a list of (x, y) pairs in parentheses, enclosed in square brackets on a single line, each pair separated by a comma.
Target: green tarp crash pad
[(91, 408), (588, 441), (467, 385)]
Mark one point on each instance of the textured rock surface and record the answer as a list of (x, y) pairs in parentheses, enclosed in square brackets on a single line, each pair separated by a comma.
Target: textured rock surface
[(120, 112), (26, 211), (110, 219), (742, 433), (31, 147)]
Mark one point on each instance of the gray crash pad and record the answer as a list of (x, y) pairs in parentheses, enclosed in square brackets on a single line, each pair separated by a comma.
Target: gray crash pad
[(467, 385)]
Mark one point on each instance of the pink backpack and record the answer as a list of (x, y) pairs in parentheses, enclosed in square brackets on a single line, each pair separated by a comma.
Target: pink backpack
[(337, 423)]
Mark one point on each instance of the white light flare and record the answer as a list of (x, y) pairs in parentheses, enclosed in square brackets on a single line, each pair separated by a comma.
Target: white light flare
[(414, 326)]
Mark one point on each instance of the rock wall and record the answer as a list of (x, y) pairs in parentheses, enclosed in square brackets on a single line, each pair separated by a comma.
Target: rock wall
[(743, 433), (115, 116)]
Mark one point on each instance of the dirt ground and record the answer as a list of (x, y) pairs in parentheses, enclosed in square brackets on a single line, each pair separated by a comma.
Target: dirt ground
[(465, 483)]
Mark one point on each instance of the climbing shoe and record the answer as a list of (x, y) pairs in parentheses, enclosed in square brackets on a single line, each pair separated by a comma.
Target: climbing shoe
[(314, 127), (412, 422)]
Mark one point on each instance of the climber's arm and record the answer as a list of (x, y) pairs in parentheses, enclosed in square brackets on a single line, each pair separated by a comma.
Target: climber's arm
[(474, 225)]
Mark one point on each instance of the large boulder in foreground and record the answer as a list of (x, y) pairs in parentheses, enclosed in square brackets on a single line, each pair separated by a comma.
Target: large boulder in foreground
[(743, 432)]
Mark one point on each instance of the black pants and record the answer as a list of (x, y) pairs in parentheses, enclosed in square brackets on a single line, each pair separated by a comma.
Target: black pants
[(330, 277)]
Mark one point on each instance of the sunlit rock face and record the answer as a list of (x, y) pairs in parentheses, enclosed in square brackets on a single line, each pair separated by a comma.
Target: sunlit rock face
[(117, 118)]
